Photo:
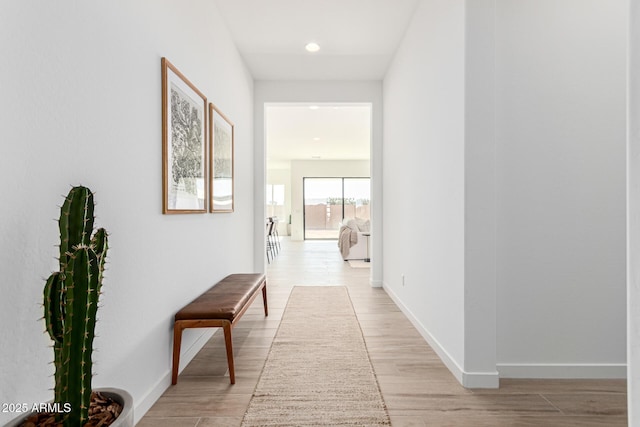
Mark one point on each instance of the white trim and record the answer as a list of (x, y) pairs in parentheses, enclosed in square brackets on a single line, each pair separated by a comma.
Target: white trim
[(563, 371), (376, 283), (481, 379), (466, 379), (146, 402), (152, 396)]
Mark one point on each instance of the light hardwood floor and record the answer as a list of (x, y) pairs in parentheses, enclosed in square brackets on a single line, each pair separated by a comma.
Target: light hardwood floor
[(417, 388)]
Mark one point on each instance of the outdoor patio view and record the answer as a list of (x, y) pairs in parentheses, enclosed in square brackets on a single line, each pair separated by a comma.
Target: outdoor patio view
[(328, 200)]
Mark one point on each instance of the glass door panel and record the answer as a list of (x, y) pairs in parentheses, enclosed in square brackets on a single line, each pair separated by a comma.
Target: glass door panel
[(322, 207), (357, 196)]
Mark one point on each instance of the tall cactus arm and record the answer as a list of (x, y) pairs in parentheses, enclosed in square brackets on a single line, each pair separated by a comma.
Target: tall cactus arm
[(76, 221), (53, 315), (79, 329), (100, 244), (54, 319)]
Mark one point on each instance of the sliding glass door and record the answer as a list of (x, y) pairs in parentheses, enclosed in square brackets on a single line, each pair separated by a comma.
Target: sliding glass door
[(322, 207), (357, 194), (328, 200)]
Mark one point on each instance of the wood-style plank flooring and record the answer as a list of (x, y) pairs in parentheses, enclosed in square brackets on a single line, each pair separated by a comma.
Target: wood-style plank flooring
[(417, 388)]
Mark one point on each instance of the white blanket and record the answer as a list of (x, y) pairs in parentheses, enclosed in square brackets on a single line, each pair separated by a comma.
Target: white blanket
[(346, 238)]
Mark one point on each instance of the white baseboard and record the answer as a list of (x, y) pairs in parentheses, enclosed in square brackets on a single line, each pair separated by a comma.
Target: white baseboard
[(563, 371), (376, 283), (480, 380), (152, 396), (143, 406), (466, 379)]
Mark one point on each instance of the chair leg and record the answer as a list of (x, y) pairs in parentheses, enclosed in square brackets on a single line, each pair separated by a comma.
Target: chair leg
[(270, 241), (277, 236), (273, 251)]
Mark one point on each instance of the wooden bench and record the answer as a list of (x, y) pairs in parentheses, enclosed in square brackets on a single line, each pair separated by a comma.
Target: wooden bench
[(221, 306)]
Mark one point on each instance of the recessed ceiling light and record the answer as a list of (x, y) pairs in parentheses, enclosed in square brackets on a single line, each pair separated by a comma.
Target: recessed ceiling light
[(313, 107), (312, 47), (316, 139)]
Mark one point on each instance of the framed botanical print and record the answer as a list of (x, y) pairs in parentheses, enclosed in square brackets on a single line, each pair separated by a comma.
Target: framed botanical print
[(184, 145), (221, 136)]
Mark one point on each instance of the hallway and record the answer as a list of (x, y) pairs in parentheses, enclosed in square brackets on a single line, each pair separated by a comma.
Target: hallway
[(416, 386)]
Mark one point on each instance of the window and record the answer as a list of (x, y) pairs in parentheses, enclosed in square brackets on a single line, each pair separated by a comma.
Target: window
[(275, 200), (327, 201)]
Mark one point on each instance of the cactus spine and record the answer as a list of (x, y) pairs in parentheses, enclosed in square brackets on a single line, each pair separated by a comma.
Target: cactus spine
[(71, 302)]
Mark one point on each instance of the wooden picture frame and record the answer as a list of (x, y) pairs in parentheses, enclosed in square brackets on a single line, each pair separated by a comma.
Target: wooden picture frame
[(185, 150), (221, 139)]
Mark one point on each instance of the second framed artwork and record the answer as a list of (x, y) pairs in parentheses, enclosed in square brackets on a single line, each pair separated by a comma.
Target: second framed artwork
[(221, 152)]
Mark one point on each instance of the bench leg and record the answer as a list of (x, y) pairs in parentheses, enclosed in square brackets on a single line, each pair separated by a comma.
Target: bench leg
[(177, 339), (229, 344), (264, 299)]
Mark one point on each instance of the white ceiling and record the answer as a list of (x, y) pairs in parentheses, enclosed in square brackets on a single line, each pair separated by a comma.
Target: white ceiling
[(357, 39), (317, 131)]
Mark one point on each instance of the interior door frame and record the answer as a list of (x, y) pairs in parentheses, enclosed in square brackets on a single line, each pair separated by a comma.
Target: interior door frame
[(313, 92)]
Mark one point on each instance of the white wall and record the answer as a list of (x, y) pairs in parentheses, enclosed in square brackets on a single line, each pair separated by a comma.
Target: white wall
[(301, 169), (560, 129), (504, 129), (321, 91), (423, 163), (480, 196), (81, 104), (633, 217)]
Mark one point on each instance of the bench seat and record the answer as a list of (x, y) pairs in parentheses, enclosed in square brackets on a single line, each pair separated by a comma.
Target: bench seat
[(220, 306)]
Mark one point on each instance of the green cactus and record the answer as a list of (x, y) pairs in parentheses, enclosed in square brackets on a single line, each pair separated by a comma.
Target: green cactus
[(71, 302)]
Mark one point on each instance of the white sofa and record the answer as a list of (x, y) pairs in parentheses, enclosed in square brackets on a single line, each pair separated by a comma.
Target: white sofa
[(358, 227)]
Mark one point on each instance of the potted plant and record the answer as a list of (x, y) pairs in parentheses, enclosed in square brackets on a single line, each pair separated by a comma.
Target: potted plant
[(70, 307)]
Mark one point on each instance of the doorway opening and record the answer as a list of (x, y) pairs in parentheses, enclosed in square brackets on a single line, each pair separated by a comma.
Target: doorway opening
[(310, 141)]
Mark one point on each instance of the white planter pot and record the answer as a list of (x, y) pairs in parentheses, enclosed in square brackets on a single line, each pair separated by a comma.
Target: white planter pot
[(125, 419)]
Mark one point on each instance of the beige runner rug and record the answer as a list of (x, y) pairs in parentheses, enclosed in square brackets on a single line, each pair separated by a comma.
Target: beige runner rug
[(318, 371)]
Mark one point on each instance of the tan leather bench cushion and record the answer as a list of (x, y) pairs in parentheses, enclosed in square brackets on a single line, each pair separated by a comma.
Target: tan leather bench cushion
[(224, 300)]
